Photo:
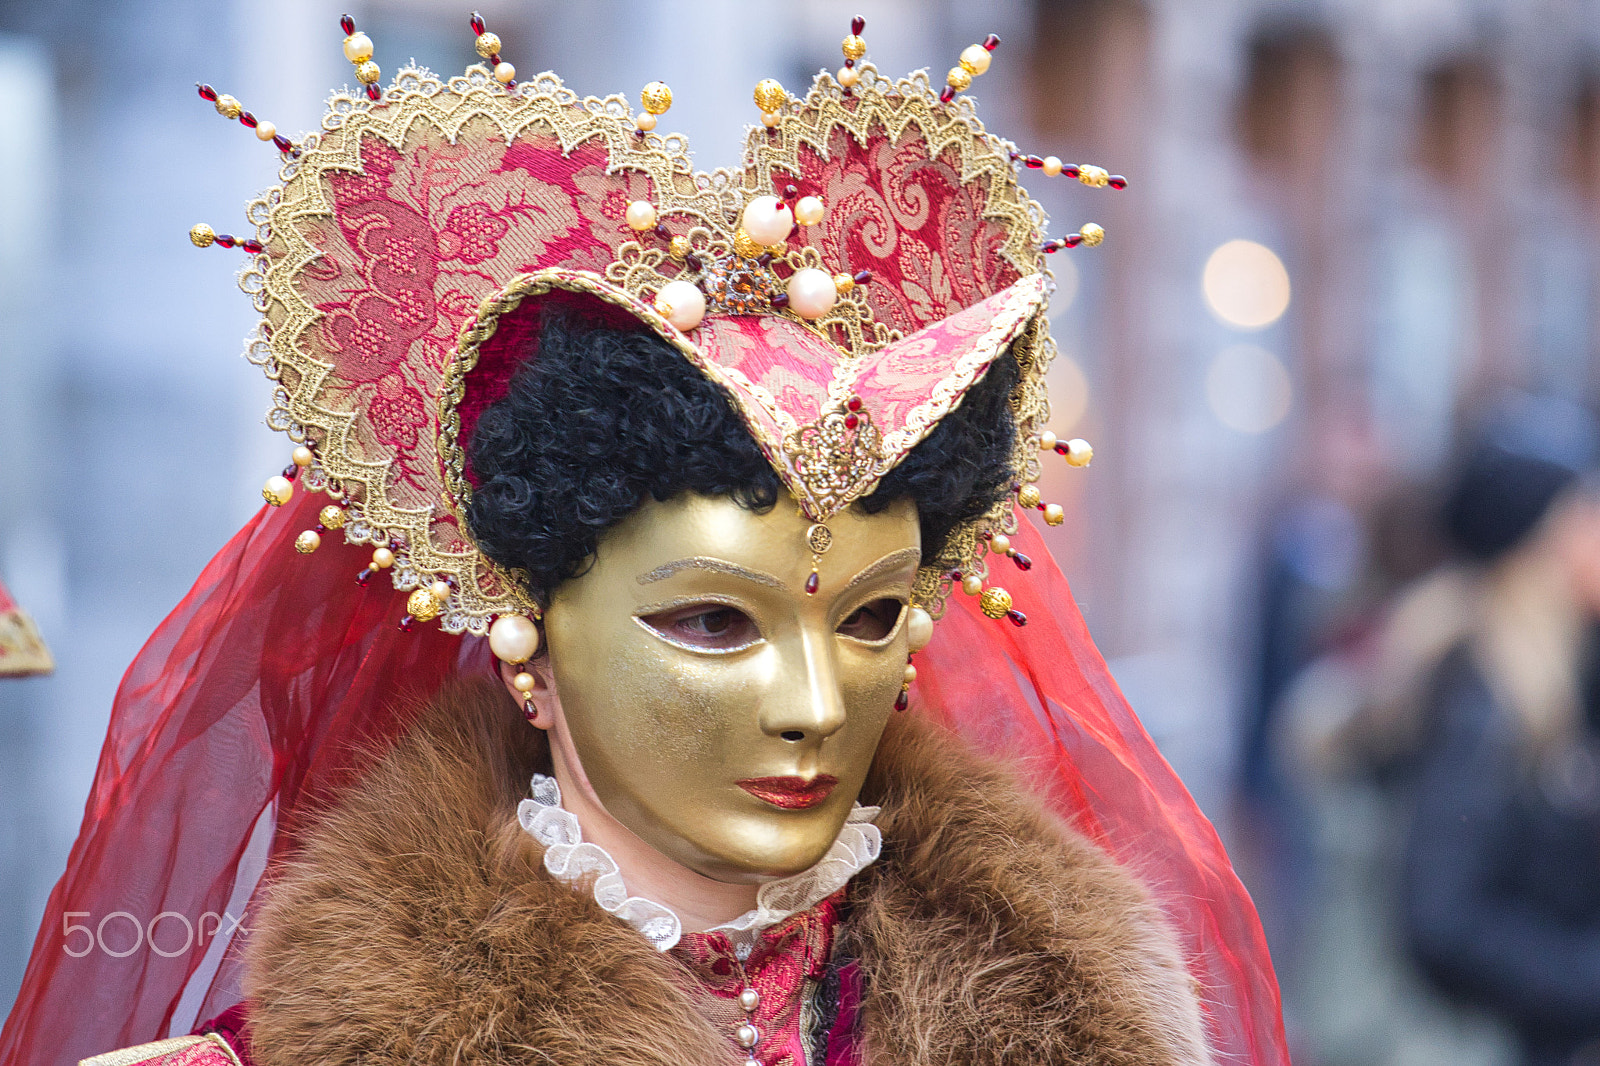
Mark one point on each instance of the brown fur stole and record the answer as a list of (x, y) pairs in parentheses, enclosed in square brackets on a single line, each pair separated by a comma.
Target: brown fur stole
[(418, 926)]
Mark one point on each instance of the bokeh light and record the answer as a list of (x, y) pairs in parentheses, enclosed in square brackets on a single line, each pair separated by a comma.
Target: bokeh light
[(1246, 285), (1248, 388), (1069, 394)]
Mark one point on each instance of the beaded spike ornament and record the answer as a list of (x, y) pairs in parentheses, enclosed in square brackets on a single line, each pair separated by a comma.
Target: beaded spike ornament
[(846, 284)]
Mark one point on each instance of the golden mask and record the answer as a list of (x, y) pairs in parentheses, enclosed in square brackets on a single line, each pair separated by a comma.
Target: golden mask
[(722, 713)]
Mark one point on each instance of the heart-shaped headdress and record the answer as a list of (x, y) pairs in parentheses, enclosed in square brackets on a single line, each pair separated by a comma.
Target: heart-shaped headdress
[(846, 285)]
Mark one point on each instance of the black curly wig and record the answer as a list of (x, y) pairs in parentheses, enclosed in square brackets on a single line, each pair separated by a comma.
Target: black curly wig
[(604, 418)]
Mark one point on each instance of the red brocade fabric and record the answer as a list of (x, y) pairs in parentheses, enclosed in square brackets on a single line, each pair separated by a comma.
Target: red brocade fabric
[(785, 968), (278, 678)]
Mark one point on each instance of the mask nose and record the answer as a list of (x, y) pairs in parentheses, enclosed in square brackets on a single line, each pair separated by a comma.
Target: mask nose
[(809, 707)]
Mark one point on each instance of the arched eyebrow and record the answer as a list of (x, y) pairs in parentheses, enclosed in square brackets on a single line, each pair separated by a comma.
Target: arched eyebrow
[(716, 566), (892, 561)]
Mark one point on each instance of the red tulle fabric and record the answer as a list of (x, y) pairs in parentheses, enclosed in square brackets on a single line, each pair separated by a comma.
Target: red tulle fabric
[(278, 679)]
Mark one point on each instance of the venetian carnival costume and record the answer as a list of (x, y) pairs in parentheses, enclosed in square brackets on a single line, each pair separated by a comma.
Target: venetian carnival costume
[(311, 771)]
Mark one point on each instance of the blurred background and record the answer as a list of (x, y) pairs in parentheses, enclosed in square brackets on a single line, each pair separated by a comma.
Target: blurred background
[(1352, 227)]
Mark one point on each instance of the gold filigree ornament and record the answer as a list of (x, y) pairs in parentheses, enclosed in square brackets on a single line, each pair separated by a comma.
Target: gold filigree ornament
[(424, 216)]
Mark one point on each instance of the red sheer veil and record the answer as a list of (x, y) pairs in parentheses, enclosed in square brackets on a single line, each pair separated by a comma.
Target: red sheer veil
[(271, 686)]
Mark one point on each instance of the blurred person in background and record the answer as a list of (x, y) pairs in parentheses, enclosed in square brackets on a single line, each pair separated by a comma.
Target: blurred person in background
[(1501, 892)]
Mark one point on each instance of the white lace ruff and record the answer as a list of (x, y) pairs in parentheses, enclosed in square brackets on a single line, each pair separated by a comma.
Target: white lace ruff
[(571, 860)]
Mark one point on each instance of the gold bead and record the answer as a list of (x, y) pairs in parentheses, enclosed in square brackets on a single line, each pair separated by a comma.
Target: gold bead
[(1028, 497), (770, 95), (959, 79), (1092, 234), (331, 516), (1054, 515), (843, 282), (382, 558), (680, 247), (422, 606), (202, 235), (1079, 452), (995, 601), (487, 44), (368, 72), (278, 490), (228, 107), (656, 97), (1093, 175), (777, 251), (307, 542), (972, 584), (853, 47), (745, 245)]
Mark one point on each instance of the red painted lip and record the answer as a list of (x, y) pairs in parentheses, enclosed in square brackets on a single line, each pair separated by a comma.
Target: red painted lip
[(790, 793)]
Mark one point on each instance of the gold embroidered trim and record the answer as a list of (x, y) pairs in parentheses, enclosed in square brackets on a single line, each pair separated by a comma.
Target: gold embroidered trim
[(131, 1056)]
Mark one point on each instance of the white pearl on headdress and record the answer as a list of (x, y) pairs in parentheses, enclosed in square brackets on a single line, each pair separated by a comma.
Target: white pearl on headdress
[(770, 119), (278, 490), (505, 73), (1052, 165), (809, 211), (975, 58), (919, 629), (266, 130), (358, 47), (641, 215), (645, 121), (1079, 453), (382, 558), (768, 220), (440, 590), (812, 293), (513, 638), (1000, 544), (972, 584), (848, 76), (681, 303)]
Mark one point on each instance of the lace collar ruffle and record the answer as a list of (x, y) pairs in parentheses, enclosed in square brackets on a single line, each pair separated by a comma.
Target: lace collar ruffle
[(570, 859)]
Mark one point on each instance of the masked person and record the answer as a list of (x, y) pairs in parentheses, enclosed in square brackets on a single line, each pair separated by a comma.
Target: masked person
[(601, 714)]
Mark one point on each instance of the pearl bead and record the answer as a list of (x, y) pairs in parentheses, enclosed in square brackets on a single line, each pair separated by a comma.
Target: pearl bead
[(809, 211), (812, 293), (919, 629), (681, 303), (641, 215), (848, 76), (440, 590), (513, 638), (749, 999), (307, 542), (278, 490), (770, 119), (972, 584), (505, 73), (767, 219), (910, 674), (382, 558), (747, 1035), (645, 121), (999, 544), (1047, 441), (1079, 452), (368, 72), (266, 131), (1052, 165), (975, 58), (358, 47), (302, 456), (523, 682), (1054, 515)]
